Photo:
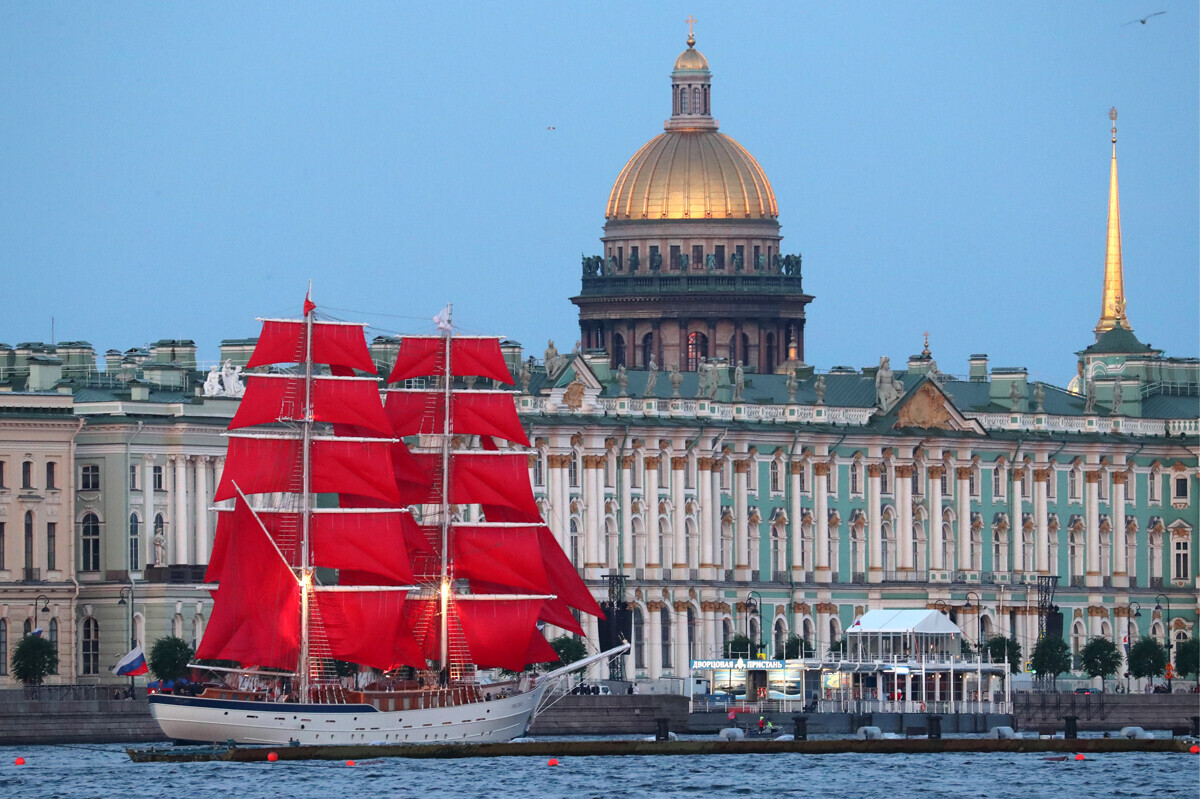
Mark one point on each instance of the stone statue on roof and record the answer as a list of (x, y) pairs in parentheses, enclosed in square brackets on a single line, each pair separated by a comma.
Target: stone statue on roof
[(1089, 402), (887, 388), (1015, 396), (622, 381), (212, 383), (739, 382), (231, 380), (676, 378), (702, 377), (651, 378), (1039, 398), (525, 376), (1117, 399), (819, 388)]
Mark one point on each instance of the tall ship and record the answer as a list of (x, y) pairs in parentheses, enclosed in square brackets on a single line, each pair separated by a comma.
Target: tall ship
[(345, 548)]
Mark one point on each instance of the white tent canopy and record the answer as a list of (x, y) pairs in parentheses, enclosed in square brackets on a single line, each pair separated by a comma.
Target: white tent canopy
[(929, 622)]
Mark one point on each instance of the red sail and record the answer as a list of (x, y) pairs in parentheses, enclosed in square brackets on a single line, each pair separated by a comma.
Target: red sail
[(257, 620), (563, 576), (499, 633), (271, 399), (490, 413), (507, 556), (422, 356), (369, 628), (282, 341), (369, 542), (269, 465), (485, 478)]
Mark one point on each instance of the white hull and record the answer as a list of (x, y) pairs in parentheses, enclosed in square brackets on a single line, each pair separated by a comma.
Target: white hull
[(185, 718)]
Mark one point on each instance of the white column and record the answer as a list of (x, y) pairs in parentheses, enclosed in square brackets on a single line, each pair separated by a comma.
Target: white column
[(148, 509), (904, 536), (1092, 522), (795, 516), (963, 473), (564, 499), (627, 462), (704, 488), (714, 516), (741, 535), (201, 466), (557, 520), (652, 533), (874, 524), (821, 520), (653, 642), (1119, 539), (937, 545), (679, 640), (1017, 528), (1041, 513), (592, 491), (181, 509), (679, 514)]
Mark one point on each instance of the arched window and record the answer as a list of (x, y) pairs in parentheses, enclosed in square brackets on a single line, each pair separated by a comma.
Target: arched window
[(27, 627), (693, 632), (648, 350), (575, 543), (696, 100), (683, 101), (780, 638), (697, 349), (89, 651), (639, 639), (769, 361), (3, 647), (135, 542), (28, 542), (776, 470), (618, 350), (665, 623), (27, 474), (51, 474), (53, 635), (89, 550)]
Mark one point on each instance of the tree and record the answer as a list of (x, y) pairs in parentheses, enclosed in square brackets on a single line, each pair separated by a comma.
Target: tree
[(795, 647), (1051, 656), (169, 658), (33, 660), (1100, 658), (738, 646), (1147, 658), (1001, 649), (1187, 657), (569, 649)]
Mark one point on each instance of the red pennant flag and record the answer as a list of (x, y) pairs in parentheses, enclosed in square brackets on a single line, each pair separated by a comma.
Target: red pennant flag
[(309, 305)]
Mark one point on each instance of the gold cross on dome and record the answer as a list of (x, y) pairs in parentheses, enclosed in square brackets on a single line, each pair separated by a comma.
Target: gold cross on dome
[(690, 21)]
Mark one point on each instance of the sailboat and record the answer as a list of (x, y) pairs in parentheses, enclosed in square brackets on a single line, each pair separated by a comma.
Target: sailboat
[(346, 547)]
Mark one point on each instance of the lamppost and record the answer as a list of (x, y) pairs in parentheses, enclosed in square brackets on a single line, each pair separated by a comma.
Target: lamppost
[(941, 607), (754, 608), (1130, 613), (127, 599), (45, 600), (978, 615), (1159, 601)]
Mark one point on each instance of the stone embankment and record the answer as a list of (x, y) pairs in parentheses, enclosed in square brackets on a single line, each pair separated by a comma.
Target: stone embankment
[(74, 714), (1098, 712)]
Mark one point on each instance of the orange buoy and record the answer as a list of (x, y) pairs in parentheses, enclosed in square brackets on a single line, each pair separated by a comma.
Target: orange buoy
[(1080, 757), (552, 761), (271, 756), (20, 761), (349, 762)]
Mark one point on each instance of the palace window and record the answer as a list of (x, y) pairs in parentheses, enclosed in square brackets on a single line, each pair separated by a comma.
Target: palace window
[(1180, 494), (776, 483), (885, 479), (573, 471), (135, 541), (3, 647), (539, 470), (854, 486), (157, 473), (1073, 485), (697, 348), (945, 481), (618, 350), (997, 483), (665, 623), (89, 652), (2, 566), (89, 477), (635, 472), (89, 549), (133, 478), (51, 474), (639, 640), (28, 539), (2, 474), (54, 641), (801, 474), (1102, 487), (1024, 484), (1183, 560), (1152, 486), (916, 481), (27, 474), (973, 483), (51, 544)]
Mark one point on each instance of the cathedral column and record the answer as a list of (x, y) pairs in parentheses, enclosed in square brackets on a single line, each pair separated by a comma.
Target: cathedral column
[(874, 524), (201, 467), (653, 640), (678, 515), (704, 488), (1092, 521), (741, 535), (937, 544), (1041, 477), (963, 473), (904, 536), (679, 640), (821, 521), (795, 521), (148, 511), (181, 513), (593, 503), (1120, 578), (653, 537), (626, 558)]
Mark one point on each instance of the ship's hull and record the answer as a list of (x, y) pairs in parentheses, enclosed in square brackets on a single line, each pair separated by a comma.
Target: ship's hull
[(203, 720)]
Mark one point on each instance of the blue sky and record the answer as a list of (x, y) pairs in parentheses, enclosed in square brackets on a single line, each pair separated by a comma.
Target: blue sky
[(173, 170)]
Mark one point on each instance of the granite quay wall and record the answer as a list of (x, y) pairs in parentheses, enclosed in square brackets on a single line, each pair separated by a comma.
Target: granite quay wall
[(56, 714), (1096, 712), (611, 715)]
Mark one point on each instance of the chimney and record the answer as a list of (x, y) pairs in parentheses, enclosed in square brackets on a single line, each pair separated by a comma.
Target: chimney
[(979, 368)]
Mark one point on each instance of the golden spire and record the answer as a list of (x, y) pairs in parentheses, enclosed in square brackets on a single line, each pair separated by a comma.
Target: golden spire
[(691, 39), (1112, 309)]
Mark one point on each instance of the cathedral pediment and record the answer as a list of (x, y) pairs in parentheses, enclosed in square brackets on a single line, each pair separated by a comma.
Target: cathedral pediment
[(929, 408)]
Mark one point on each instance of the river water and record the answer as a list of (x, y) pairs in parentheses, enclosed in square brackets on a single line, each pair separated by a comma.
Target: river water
[(75, 772)]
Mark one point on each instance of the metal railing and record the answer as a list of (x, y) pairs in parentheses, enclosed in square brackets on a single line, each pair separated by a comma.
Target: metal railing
[(71, 693)]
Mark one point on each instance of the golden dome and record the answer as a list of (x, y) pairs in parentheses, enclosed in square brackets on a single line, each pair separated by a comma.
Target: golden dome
[(692, 174), (691, 59)]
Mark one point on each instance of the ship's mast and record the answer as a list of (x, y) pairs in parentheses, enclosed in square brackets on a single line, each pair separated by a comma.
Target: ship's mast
[(444, 583), (305, 505)]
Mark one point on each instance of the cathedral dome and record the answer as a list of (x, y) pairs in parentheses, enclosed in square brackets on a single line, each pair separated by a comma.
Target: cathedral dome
[(692, 174), (691, 59)]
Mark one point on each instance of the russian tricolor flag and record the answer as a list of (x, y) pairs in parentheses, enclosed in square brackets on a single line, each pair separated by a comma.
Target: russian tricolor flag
[(132, 665)]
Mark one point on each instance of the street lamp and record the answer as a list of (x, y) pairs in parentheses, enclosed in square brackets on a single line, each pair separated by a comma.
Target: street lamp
[(1159, 601), (127, 599), (45, 600), (754, 608), (978, 615), (941, 607)]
